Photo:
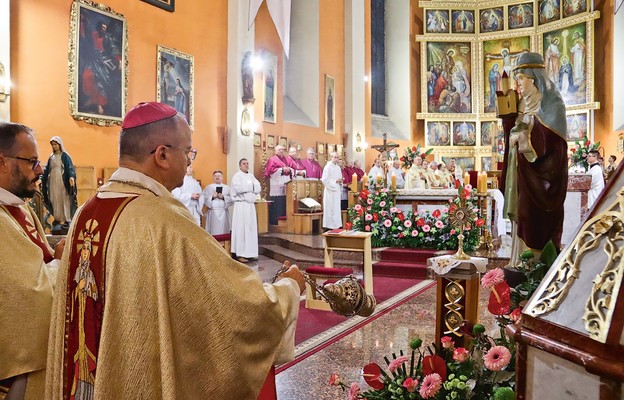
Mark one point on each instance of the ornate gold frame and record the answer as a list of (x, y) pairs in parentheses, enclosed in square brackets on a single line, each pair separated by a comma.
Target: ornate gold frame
[(178, 55), (74, 67)]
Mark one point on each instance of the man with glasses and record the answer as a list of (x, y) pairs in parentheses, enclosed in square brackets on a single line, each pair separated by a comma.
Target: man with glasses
[(149, 305), (27, 269), (597, 182)]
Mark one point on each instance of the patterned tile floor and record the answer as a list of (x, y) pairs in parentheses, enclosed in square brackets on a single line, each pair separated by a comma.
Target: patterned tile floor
[(389, 333)]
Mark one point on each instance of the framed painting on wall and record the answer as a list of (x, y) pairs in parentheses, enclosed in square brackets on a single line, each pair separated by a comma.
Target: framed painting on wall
[(466, 163), (520, 16), (437, 21), (330, 104), (449, 77), (168, 5), (486, 163), (463, 21), (438, 133), (330, 148), (270, 87), (577, 126), (566, 61), (340, 150), (320, 148), (98, 67), (283, 141), (464, 133), (573, 7), (548, 11), (488, 131), (270, 141), (175, 81), (491, 20), (257, 139), (499, 55)]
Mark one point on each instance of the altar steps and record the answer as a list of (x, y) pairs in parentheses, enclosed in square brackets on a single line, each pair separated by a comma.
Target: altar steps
[(305, 251), (404, 263)]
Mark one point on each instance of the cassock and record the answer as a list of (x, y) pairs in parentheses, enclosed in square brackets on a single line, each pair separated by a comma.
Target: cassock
[(312, 168), (400, 181), (184, 194), (245, 188), (27, 275), (180, 318), (597, 184), (217, 216), (332, 218), (278, 179)]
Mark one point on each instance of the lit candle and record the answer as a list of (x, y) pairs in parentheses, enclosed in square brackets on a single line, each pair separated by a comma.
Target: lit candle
[(364, 182), (393, 181), (484, 185), (466, 178), (354, 183), (480, 183)]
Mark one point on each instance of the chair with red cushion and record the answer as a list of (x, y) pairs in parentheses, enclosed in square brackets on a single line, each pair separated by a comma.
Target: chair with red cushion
[(224, 239)]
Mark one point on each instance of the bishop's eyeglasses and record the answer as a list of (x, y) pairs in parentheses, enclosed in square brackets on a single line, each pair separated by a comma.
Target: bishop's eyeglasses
[(190, 153)]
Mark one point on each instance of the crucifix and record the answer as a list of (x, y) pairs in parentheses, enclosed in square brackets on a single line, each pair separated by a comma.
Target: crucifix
[(384, 150)]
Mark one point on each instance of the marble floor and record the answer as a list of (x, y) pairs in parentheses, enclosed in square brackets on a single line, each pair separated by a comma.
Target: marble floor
[(386, 334)]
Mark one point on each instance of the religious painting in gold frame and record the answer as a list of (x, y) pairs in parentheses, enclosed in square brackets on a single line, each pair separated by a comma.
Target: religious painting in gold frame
[(168, 5), (520, 16), (449, 64), (98, 64), (283, 141), (438, 133), (437, 21), (577, 124), (499, 55), (489, 130), (175, 86), (486, 163), (548, 11), (320, 148), (340, 150), (330, 104), (269, 80), (573, 7), (270, 140), (466, 163), (491, 20), (463, 21), (464, 133), (257, 139), (330, 148)]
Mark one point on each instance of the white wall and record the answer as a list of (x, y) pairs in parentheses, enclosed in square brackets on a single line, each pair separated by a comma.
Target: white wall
[(5, 53)]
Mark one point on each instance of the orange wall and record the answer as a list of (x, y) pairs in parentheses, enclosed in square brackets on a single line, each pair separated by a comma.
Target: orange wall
[(40, 97), (331, 62)]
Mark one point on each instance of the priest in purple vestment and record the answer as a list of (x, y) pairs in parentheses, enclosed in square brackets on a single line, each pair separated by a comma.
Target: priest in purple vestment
[(312, 167), (295, 163), (279, 172)]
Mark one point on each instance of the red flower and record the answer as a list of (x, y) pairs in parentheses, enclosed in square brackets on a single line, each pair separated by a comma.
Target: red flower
[(375, 217), (480, 222), (516, 314), (402, 158), (434, 365), (420, 222), (587, 144), (348, 226), (400, 235), (436, 213), (500, 299), (400, 216), (413, 148), (372, 376), (573, 150)]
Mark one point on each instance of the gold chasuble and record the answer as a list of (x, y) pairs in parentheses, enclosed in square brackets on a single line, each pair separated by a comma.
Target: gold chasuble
[(26, 288), (154, 308)]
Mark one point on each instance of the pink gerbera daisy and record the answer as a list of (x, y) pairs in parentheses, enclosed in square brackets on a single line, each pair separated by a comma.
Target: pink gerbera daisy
[(369, 201), (492, 278), (387, 223), (368, 217), (497, 358), (439, 224), (382, 204), (426, 228), (394, 209), (357, 207), (414, 233), (431, 386), (396, 363), (407, 223)]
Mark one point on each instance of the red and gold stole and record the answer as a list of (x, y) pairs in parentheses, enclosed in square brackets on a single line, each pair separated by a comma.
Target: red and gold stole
[(19, 215), (86, 278)]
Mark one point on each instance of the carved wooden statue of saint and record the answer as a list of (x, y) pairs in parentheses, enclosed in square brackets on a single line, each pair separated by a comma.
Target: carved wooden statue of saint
[(536, 163)]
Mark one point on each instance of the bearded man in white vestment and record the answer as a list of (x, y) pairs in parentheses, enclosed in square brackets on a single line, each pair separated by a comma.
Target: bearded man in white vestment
[(245, 188), (332, 181), (217, 201), (190, 194)]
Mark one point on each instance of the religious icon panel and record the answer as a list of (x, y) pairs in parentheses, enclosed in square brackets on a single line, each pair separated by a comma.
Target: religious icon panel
[(488, 131), (437, 21), (438, 133), (576, 126), (463, 21), (520, 16), (270, 87), (491, 20), (175, 81), (565, 57), (573, 7), (486, 164), (466, 163), (548, 11), (464, 133), (499, 56), (449, 88)]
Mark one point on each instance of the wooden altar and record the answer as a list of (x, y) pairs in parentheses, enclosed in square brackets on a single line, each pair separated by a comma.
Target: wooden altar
[(298, 220)]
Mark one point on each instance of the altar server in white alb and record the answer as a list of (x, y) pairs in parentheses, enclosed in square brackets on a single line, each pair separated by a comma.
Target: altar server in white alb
[(245, 188), (217, 201), (190, 194), (597, 182), (332, 180)]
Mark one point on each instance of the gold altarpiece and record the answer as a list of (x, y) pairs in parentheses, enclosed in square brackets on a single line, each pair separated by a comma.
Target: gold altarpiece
[(471, 43)]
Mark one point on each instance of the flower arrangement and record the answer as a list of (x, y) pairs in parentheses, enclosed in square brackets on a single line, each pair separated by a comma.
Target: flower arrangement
[(579, 153), (410, 153), (484, 369), (375, 212)]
